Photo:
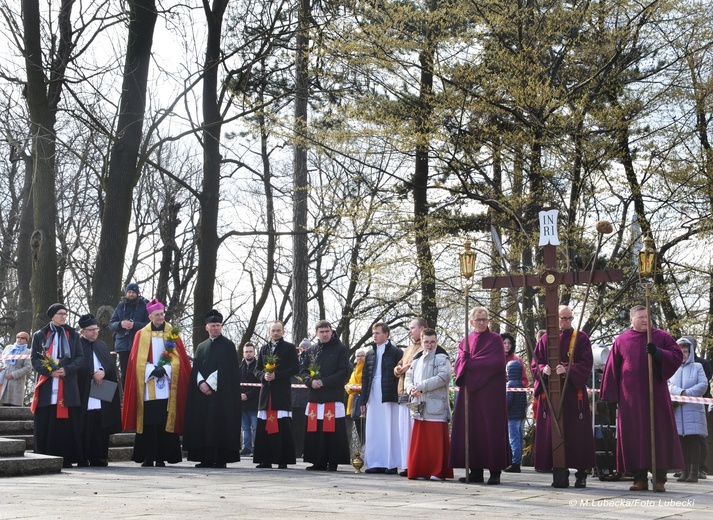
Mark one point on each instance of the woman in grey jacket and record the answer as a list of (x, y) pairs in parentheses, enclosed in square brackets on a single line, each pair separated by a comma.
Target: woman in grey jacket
[(689, 380), (427, 382)]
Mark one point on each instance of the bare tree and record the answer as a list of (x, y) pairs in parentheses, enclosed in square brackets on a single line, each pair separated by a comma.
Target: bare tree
[(124, 169)]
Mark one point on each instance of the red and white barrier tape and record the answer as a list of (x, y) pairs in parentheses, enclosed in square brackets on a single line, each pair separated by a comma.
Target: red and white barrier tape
[(674, 398)]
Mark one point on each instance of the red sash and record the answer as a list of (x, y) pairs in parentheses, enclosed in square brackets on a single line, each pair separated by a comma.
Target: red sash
[(330, 418), (271, 425), (312, 417), (329, 422), (62, 410)]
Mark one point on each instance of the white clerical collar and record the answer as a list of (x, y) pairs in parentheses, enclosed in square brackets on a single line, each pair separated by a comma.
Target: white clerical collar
[(382, 345)]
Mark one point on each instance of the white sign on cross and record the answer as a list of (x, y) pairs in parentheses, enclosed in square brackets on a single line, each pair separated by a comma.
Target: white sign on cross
[(548, 228)]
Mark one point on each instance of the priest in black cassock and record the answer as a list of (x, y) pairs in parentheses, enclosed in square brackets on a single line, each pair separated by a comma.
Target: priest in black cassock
[(213, 415), (324, 370), (276, 364), (56, 357), (100, 418)]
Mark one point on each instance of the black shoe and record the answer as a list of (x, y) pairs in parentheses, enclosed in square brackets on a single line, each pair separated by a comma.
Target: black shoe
[(314, 467), (677, 474), (702, 474), (403, 473), (282, 466), (494, 478), (160, 464), (391, 471), (147, 464), (581, 482), (82, 464), (332, 467), (219, 465), (246, 452), (513, 468), (204, 465), (476, 476), (375, 470), (264, 465), (560, 477), (66, 465), (100, 463)]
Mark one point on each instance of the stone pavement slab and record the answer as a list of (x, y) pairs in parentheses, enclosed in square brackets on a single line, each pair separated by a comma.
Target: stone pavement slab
[(180, 491)]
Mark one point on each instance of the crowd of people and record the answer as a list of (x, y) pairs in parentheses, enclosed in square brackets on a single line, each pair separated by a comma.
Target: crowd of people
[(218, 407)]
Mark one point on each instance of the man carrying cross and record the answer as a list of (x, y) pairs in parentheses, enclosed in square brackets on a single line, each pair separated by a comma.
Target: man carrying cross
[(575, 358), (550, 278)]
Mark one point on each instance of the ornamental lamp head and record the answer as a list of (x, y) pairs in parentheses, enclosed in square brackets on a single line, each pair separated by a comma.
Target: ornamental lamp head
[(467, 261), (604, 227), (647, 259)]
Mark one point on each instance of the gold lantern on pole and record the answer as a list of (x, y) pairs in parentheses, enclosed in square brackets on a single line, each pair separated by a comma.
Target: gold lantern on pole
[(467, 269), (647, 271)]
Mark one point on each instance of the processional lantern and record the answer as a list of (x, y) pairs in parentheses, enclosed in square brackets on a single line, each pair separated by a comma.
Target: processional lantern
[(647, 260), (467, 270), (467, 261)]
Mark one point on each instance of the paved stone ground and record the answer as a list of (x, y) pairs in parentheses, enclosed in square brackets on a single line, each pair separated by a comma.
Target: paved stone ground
[(125, 490)]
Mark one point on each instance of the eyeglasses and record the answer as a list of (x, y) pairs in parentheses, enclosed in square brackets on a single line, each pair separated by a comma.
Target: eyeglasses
[(567, 318), (60, 313), (22, 337), (92, 330), (481, 320)]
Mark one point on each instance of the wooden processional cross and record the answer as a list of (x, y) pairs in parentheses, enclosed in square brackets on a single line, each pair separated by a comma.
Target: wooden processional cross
[(550, 278)]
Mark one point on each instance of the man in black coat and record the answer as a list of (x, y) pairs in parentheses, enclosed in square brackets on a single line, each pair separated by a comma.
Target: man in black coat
[(212, 431), (325, 370), (249, 397), (100, 418), (56, 357), (276, 364), (129, 317)]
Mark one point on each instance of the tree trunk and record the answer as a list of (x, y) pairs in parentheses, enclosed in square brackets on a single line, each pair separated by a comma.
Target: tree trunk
[(672, 323), (208, 242), (429, 306), (124, 167), (42, 101), (300, 260), (701, 93), (168, 223), (23, 321), (270, 220)]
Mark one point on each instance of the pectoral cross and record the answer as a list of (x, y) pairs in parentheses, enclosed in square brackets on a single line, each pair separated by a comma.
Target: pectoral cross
[(550, 278)]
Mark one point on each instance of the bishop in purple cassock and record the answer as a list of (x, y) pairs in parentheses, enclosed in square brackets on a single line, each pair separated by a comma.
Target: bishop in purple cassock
[(579, 441), (626, 382), (480, 371)]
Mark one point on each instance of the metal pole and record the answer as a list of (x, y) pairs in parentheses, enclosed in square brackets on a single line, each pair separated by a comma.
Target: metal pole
[(647, 293), (579, 325), (464, 389)]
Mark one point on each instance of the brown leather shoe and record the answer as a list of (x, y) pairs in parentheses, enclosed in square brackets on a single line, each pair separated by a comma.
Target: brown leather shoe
[(640, 485), (660, 488)]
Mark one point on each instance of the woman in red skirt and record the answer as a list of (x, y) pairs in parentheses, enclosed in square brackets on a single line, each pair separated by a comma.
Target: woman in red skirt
[(427, 384)]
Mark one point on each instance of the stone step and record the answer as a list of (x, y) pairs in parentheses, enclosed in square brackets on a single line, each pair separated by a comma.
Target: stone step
[(30, 464), (16, 413), (29, 440), (16, 427), (122, 439), (120, 454), (12, 447)]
